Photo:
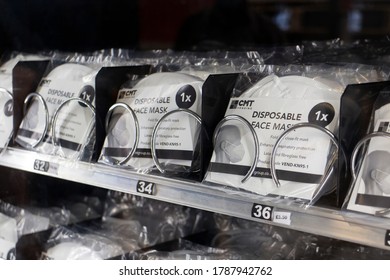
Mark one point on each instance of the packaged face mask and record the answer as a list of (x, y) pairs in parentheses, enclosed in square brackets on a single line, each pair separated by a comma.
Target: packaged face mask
[(6, 103), (70, 244), (8, 236), (8, 66), (371, 189), (72, 251), (271, 106), (6, 115), (59, 117), (147, 103)]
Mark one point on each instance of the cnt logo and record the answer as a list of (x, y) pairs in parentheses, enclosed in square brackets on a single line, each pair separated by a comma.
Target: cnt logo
[(126, 93), (44, 82), (241, 104)]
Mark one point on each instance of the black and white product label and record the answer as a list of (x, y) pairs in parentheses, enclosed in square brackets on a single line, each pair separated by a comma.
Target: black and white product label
[(177, 133), (300, 159), (6, 120), (73, 123), (371, 191)]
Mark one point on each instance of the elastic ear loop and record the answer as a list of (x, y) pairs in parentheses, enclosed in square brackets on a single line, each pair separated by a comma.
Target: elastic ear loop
[(330, 162), (254, 136), (56, 113), (10, 135), (157, 126), (40, 99), (354, 156), (107, 123)]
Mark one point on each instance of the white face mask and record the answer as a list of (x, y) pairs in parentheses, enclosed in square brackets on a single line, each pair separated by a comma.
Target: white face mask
[(63, 83), (233, 152), (152, 97), (293, 86), (118, 136), (376, 173), (31, 117), (8, 229), (382, 113), (9, 65), (382, 179), (72, 251)]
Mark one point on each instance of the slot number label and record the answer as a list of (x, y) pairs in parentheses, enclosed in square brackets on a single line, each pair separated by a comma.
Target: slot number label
[(41, 165), (262, 212), (146, 187)]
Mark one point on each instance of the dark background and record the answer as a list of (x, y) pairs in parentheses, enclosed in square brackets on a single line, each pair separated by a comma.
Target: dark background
[(86, 25)]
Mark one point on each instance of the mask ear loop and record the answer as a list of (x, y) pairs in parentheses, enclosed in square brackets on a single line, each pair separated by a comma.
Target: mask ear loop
[(107, 123), (25, 105), (355, 151), (254, 136), (3, 90), (56, 113), (157, 126), (331, 162)]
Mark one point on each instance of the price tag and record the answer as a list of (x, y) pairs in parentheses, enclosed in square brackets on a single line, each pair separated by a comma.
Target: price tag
[(146, 187), (45, 166), (262, 212), (41, 165), (282, 217)]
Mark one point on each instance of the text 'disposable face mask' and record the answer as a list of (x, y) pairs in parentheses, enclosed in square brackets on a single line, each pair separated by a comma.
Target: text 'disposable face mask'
[(59, 117), (270, 107), (154, 100)]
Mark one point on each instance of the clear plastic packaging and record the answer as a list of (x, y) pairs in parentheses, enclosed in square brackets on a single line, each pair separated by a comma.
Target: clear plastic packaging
[(75, 243), (279, 134), (159, 221), (368, 192), (59, 118), (170, 99), (6, 93)]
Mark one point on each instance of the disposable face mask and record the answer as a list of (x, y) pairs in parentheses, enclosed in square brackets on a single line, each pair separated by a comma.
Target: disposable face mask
[(65, 82), (234, 152), (151, 99), (294, 87), (228, 147), (6, 114), (382, 113), (118, 136), (8, 229), (375, 170), (72, 251), (382, 179), (9, 65), (72, 72), (6, 82), (271, 106), (32, 116)]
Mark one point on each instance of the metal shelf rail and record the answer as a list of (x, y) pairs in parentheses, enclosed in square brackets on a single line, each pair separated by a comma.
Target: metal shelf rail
[(334, 223)]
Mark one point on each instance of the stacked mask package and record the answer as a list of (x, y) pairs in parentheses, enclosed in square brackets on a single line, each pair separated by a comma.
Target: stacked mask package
[(66, 85), (271, 106), (151, 98)]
